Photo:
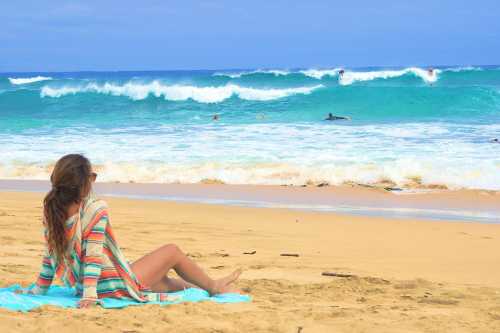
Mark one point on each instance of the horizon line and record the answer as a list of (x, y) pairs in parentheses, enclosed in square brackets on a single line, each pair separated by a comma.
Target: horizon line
[(247, 68)]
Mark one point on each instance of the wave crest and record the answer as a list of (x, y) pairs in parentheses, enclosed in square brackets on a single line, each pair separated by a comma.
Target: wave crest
[(25, 80), (463, 69), (236, 75), (138, 91), (320, 73), (350, 77)]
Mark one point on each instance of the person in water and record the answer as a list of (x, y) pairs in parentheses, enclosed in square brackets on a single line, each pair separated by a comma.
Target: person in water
[(332, 117), (82, 251), (215, 117), (341, 73)]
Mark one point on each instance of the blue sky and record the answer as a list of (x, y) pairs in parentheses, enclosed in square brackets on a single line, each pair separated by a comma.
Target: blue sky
[(147, 35)]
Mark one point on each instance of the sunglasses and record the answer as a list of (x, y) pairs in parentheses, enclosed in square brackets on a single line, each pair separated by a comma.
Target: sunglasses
[(93, 175)]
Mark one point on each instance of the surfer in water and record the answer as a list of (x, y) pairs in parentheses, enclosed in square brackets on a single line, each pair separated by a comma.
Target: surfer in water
[(341, 75), (215, 117), (332, 117), (431, 74)]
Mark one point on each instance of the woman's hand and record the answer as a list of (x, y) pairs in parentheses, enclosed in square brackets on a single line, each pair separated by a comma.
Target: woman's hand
[(24, 292), (87, 302)]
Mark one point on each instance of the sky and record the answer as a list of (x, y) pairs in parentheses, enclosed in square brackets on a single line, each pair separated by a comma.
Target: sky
[(101, 35)]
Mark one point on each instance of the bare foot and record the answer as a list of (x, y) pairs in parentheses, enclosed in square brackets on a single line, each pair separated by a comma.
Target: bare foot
[(223, 285), (229, 289)]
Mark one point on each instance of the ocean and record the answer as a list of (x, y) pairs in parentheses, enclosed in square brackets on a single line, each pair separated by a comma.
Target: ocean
[(407, 127)]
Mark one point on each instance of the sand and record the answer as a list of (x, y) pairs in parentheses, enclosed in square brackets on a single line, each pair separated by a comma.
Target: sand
[(410, 276)]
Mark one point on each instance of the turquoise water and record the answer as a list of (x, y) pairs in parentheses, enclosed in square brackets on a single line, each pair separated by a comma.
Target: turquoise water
[(157, 126)]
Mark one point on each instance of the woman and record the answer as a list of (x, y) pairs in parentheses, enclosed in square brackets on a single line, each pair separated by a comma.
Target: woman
[(81, 248)]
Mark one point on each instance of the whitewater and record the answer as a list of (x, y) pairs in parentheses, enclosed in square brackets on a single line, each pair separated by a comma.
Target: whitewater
[(410, 127)]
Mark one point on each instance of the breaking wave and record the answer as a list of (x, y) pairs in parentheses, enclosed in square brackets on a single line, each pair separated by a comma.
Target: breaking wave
[(351, 77), (212, 94), (26, 80)]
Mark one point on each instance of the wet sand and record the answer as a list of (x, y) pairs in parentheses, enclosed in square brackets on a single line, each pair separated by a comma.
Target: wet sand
[(408, 275), (460, 205)]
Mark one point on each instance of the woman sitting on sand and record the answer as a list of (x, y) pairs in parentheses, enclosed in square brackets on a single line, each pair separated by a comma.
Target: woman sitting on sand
[(81, 248)]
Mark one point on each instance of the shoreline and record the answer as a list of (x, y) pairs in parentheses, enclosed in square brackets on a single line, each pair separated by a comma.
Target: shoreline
[(451, 205)]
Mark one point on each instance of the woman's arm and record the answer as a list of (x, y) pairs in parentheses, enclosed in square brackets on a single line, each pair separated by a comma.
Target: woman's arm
[(46, 275), (93, 258)]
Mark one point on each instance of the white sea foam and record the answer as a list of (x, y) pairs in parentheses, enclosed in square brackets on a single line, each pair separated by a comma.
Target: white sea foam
[(458, 156), (350, 77), (26, 80), (214, 94)]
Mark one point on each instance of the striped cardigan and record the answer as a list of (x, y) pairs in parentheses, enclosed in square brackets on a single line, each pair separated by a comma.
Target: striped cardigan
[(95, 266)]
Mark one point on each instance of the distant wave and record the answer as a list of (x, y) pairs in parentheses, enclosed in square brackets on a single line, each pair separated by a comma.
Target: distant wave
[(314, 73), (352, 77), (139, 91), (349, 77), (235, 75), (25, 80), (320, 73), (463, 69)]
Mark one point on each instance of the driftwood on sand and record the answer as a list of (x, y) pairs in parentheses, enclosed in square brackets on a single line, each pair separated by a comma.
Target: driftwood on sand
[(344, 275)]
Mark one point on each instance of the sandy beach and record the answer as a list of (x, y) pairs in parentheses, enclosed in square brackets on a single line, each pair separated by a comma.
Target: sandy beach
[(343, 156), (408, 275)]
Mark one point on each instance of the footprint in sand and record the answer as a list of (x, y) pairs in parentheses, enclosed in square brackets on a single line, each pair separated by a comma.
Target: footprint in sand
[(494, 313), (406, 285), (375, 280), (194, 255), (438, 301), (12, 268), (413, 284)]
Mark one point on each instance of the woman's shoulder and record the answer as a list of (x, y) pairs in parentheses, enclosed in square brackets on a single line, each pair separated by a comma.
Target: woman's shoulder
[(93, 204)]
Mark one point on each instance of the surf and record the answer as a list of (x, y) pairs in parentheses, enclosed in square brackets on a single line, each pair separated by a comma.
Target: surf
[(27, 80), (177, 92)]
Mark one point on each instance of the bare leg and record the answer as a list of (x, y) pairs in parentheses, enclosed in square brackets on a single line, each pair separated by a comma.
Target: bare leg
[(153, 268), (169, 284)]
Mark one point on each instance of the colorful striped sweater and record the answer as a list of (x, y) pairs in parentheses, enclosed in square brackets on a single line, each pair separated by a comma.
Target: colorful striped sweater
[(95, 267)]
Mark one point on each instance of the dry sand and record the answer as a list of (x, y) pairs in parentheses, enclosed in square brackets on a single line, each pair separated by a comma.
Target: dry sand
[(411, 276)]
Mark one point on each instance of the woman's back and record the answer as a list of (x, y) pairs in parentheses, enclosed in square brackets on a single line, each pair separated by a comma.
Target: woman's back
[(95, 265)]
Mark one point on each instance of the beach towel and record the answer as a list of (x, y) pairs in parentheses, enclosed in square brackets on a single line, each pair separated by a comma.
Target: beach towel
[(65, 297)]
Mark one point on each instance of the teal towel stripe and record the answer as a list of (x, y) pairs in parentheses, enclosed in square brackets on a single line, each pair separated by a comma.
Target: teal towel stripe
[(65, 297)]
